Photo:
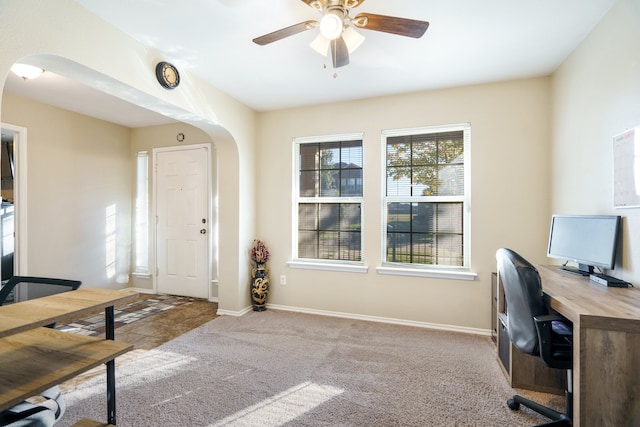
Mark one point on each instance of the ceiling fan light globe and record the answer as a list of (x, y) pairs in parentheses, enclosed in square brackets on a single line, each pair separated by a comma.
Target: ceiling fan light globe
[(320, 44), (331, 25), (352, 38)]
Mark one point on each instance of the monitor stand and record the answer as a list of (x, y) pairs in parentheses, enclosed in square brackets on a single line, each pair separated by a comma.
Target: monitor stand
[(582, 269)]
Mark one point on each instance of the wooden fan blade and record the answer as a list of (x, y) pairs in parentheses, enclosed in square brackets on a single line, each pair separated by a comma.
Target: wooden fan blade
[(390, 24), (285, 32), (339, 53)]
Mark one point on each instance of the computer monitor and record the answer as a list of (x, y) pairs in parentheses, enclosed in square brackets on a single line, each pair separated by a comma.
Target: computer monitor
[(588, 240)]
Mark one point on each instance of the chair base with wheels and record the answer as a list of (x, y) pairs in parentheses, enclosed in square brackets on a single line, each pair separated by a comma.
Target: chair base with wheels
[(558, 418)]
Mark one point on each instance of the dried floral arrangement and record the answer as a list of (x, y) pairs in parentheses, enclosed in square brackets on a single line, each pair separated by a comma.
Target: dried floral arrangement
[(259, 252)]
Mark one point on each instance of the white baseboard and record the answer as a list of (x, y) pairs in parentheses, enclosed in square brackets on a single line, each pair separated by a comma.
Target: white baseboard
[(221, 312), (390, 320), (140, 290)]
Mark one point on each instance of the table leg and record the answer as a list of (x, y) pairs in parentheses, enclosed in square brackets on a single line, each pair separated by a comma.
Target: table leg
[(111, 367)]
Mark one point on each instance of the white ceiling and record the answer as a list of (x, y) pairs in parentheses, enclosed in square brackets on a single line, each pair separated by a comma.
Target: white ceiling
[(468, 42)]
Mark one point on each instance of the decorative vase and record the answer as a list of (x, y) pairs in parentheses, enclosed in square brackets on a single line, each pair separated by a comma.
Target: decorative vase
[(259, 287)]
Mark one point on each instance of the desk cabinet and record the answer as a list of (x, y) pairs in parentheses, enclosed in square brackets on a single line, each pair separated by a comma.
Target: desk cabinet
[(494, 306)]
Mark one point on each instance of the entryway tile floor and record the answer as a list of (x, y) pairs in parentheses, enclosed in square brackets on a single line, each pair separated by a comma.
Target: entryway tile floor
[(146, 323)]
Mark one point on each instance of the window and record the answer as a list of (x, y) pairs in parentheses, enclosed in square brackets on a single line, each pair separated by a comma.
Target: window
[(141, 236), (329, 198), (427, 195)]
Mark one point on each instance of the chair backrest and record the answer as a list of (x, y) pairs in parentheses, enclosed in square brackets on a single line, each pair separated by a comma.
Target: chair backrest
[(8, 286), (524, 299)]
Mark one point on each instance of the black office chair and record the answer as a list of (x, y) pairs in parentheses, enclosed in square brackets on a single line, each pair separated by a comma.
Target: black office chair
[(9, 285), (534, 330), (51, 406)]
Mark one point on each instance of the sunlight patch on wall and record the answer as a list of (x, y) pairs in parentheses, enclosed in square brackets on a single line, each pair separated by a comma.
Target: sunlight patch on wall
[(110, 239)]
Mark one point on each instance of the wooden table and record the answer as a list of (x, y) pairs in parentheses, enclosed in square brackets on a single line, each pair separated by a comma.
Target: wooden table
[(606, 347), (33, 359)]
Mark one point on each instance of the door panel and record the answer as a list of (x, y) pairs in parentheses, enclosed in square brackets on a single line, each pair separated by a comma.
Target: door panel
[(182, 229)]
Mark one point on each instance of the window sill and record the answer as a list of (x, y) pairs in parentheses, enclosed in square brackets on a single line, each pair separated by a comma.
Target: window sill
[(328, 266), (438, 274), (142, 275)]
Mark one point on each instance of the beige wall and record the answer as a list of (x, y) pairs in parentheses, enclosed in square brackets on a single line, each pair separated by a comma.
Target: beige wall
[(78, 175), (596, 95), (509, 197)]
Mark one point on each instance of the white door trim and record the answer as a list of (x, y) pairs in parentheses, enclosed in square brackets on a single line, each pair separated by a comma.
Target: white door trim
[(154, 211), (20, 199)]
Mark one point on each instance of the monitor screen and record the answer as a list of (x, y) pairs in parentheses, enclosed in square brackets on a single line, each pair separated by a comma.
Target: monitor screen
[(588, 240)]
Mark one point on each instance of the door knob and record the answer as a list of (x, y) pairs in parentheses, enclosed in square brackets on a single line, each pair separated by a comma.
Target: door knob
[(203, 231)]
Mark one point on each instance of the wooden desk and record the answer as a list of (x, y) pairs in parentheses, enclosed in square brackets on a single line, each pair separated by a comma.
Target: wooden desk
[(606, 342), (33, 359)]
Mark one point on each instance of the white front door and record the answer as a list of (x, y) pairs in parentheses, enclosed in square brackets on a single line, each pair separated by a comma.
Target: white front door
[(182, 220)]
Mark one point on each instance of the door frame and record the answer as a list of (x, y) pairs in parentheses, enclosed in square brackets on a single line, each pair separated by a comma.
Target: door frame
[(20, 198), (154, 211)]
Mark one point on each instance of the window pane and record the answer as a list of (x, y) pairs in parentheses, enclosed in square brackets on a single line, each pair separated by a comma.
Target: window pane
[(450, 250), (351, 154), (329, 180), (307, 244), (351, 183), (449, 218), (398, 166), (309, 157), (398, 249), (329, 155), (328, 245), (329, 216), (309, 183), (399, 217), (425, 233), (307, 216), (335, 233), (350, 245), (451, 180), (351, 168), (350, 216)]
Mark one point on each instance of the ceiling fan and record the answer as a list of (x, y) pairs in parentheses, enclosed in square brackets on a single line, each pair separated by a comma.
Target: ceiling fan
[(337, 32)]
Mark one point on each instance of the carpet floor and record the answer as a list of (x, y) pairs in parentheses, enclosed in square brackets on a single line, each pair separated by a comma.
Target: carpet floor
[(289, 369)]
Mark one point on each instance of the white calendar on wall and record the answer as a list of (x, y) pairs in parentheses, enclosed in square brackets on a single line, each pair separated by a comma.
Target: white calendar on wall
[(626, 169)]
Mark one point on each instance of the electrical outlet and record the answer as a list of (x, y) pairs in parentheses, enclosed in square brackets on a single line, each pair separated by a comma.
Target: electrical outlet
[(283, 279)]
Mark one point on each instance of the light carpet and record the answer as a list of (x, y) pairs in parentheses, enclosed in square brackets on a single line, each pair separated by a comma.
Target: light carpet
[(277, 368)]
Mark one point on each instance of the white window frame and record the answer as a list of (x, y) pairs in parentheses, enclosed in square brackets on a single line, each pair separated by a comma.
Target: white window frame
[(322, 264), (427, 270)]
